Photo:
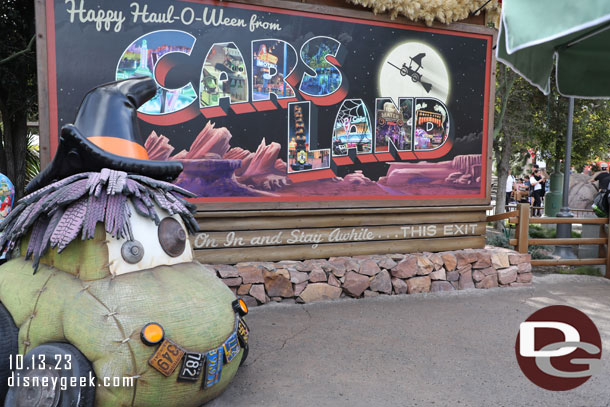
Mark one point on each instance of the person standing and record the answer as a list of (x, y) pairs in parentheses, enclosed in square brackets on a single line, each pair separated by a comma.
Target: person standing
[(543, 183), (603, 177), (510, 182), (536, 184)]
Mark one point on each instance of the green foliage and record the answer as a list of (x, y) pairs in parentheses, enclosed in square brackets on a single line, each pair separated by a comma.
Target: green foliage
[(539, 252), (535, 121), (497, 239), (17, 56), (538, 232), (591, 136), (512, 120), (32, 159), (527, 119), (583, 270), (18, 87)]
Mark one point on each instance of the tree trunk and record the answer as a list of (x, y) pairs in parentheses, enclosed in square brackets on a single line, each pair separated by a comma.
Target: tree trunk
[(15, 143), (503, 169), (2, 154), (503, 147)]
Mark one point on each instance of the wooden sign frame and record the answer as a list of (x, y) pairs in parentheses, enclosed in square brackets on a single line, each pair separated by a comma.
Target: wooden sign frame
[(386, 218)]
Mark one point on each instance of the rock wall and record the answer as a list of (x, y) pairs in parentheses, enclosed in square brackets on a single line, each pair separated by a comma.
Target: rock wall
[(368, 276), (582, 191)]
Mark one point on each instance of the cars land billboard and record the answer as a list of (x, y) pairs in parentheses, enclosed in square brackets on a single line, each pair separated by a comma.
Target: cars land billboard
[(276, 105)]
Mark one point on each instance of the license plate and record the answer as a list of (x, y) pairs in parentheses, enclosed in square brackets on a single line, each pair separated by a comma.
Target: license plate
[(242, 332), (231, 347), (192, 365), (166, 358), (213, 367)]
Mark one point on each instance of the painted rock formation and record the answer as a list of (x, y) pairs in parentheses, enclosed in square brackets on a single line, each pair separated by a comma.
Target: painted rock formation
[(212, 168), (462, 170)]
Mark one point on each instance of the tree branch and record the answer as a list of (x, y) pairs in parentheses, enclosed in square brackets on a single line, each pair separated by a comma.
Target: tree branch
[(19, 53)]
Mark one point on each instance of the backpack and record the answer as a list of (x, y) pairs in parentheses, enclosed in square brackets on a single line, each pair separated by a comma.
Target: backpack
[(600, 204)]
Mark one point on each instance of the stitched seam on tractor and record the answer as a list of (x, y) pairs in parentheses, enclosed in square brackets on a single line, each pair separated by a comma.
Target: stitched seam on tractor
[(112, 314)]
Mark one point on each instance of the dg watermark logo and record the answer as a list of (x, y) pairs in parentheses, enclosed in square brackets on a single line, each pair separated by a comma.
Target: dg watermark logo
[(558, 348)]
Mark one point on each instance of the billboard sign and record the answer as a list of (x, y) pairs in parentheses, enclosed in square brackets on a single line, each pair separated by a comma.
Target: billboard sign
[(273, 105)]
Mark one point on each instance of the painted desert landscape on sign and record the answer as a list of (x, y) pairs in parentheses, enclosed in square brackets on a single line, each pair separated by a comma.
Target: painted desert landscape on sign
[(212, 168)]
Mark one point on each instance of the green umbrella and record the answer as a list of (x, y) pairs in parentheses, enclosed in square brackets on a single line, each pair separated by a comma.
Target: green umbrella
[(535, 33)]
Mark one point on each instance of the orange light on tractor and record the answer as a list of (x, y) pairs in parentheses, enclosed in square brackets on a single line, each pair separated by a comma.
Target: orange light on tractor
[(152, 334), (240, 307)]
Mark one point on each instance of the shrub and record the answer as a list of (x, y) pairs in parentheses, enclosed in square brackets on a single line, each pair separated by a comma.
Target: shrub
[(583, 270), (497, 239), (539, 253)]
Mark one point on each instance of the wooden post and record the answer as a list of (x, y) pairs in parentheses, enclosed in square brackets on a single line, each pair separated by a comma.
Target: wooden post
[(524, 223), (517, 222), (607, 250), (601, 249)]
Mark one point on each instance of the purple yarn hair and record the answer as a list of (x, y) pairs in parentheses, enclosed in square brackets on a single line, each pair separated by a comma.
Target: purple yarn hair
[(58, 213)]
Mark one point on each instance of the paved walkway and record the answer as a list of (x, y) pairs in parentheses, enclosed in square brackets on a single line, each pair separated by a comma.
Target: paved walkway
[(441, 349)]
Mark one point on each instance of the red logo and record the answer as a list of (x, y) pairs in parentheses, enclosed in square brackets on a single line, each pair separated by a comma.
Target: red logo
[(558, 348)]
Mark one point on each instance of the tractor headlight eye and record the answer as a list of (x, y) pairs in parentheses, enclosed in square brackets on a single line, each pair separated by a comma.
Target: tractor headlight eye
[(172, 237), (240, 307), (152, 334), (132, 251)]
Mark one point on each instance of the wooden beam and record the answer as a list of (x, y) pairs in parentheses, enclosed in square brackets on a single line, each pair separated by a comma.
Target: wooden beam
[(342, 211), (261, 238), (44, 132), (576, 221), (501, 216), (569, 262), (296, 222), (601, 252), (607, 257), (302, 252), (568, 241), (307, 204)]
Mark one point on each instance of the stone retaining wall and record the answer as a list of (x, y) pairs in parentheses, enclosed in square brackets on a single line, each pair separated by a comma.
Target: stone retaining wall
[(368, 276)]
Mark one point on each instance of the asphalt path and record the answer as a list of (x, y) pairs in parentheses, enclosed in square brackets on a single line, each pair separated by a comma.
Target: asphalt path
[(438, 349)]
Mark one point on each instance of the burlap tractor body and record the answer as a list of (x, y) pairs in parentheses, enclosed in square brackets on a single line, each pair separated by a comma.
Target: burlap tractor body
[(84, 294)]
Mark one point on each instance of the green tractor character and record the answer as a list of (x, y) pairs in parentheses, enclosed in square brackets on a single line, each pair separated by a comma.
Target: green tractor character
[(102, 303)]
